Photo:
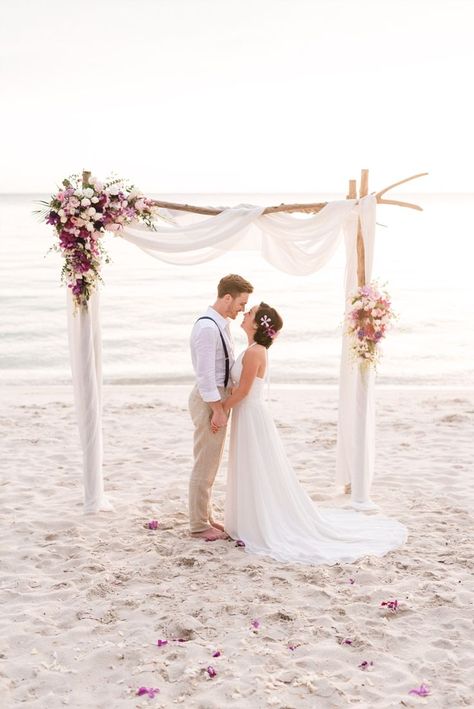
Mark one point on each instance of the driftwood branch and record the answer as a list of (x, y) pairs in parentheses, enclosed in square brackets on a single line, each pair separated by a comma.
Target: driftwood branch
[(212, 211), (308, 208), (363, 192)]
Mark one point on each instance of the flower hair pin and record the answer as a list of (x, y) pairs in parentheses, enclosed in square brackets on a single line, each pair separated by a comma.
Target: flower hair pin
[(265, 322)]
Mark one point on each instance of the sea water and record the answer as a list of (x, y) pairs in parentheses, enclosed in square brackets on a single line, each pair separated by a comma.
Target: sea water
[(148, 307)]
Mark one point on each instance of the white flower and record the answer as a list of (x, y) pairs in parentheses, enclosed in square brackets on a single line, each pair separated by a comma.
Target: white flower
[(78, 193), (89, 226), (114, 189), (91, 211), (139, 204), (94, 200), (98, 186), (63, 220), (88, 192), (133, 193), (61, 212), (85, 202)]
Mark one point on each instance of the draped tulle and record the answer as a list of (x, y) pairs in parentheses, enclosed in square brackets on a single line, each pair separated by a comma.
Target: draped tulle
[(270, 511)]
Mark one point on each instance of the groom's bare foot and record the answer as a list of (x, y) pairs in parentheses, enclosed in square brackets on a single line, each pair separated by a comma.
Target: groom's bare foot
[(218, 525), (211, 534)]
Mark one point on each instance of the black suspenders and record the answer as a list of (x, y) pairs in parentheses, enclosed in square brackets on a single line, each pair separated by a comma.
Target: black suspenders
[(226, 353)]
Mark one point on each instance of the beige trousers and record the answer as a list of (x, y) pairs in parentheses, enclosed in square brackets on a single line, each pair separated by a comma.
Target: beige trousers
[(208, 449)]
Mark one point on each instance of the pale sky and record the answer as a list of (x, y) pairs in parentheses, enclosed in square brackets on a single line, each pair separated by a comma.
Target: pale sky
[(237, 95)]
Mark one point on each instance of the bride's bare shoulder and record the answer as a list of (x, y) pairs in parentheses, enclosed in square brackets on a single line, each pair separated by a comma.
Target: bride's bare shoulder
[(255, 352)]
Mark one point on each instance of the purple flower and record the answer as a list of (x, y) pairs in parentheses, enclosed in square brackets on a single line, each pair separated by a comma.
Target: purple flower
[(78, 287), (255, 624), (422, 691), (391, 605), (217, 653), (365, 665), (152, 524), (150, 691), (160, 643), (52, 218), (211, 672), (67, 240)]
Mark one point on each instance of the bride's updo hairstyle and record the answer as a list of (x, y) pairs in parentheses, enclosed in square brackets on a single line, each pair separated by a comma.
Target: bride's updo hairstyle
[(268, 323)]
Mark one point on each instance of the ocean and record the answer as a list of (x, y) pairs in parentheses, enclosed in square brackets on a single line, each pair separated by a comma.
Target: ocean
[(148, 307)]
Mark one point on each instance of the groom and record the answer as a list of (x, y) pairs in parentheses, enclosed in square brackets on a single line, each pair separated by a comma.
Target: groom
[(212, 356)]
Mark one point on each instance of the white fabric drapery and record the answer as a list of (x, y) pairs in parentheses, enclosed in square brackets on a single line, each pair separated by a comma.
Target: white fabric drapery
[(292, 244), (355, 453)]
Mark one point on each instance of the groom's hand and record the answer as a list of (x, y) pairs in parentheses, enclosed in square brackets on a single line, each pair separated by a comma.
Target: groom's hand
[(218, 420)]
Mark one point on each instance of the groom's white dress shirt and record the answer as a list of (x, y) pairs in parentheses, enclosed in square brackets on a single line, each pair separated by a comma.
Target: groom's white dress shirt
[(208, 356)]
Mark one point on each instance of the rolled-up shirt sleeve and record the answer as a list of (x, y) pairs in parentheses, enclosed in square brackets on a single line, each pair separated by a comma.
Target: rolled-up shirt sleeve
[(204, 345)]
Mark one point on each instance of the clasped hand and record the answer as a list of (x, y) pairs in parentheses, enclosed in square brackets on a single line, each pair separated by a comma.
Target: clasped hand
[(219, 419)]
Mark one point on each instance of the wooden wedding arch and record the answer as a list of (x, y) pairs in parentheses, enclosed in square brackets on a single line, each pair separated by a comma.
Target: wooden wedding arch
[(357, 459)]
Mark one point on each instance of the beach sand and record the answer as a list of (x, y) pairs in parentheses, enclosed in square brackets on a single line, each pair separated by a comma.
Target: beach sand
[(85, 598)]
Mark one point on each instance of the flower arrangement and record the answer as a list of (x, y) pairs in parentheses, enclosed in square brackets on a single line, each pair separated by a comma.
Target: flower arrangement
[(81, 212), (367, 321)]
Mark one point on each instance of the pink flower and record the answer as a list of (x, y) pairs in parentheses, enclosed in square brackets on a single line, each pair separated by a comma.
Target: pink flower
[(150, 691), (255, 624), (391, 605), (422, 691)]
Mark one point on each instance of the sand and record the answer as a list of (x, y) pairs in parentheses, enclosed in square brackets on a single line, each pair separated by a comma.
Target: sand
[(85, 598)]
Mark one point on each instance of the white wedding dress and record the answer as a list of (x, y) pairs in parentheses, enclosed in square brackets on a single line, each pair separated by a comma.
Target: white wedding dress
[(267, 508)]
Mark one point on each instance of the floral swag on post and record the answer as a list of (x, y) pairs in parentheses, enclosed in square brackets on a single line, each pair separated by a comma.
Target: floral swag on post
[(368, 319), (81, 214)]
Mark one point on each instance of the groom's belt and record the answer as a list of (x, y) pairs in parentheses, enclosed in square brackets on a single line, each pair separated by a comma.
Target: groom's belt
[(226, 353)]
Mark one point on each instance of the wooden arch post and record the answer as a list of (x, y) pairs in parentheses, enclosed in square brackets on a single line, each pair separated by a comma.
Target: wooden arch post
[(352, 194)]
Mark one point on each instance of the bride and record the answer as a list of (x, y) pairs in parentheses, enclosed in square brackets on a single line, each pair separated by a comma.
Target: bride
[(266, 507)]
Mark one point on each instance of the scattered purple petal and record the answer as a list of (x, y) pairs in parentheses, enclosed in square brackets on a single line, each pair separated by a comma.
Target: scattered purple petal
[(391, 605), (255, 624), (293, 646), (346, 641), (152, 524), (351, 581), (365, 665), (217, 653), (150, 691), (160, 643), (239, 543), (422, 691), (211, 672)]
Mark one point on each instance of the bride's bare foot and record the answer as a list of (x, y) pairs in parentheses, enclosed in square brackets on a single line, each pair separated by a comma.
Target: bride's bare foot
[(218, 525), (211, 534)]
